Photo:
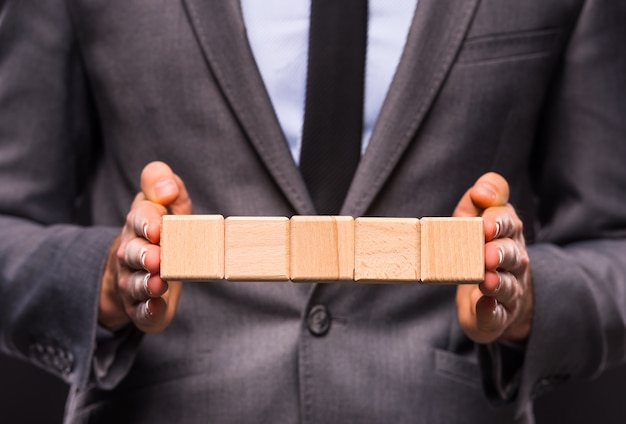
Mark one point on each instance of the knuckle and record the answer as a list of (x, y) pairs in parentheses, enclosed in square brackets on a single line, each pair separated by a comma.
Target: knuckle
[(525, 259), (121, 252), (122, 285), (511, 224), (130, 216), (519, 224), (130, 309), (122, 282), (138, 286), (128, 254)]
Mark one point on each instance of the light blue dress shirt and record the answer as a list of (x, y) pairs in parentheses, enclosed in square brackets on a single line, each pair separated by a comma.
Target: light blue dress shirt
[(278, 35)]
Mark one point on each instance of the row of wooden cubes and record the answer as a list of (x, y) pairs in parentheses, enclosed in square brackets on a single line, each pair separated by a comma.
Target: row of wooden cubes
[(322, 248)]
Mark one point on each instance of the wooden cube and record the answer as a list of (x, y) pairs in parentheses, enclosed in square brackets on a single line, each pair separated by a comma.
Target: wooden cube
[(322, 248), (192, 247), (387, 250), (256, 248), (453, 250)]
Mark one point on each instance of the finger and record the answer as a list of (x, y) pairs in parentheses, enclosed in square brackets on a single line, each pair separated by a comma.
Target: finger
[(489, 190), (149, 315), (162, 186), (156, 314), (141, 286), (145, 220), (465, 207), (522, 324), (137, 286), (138, 254), (502, 222), (479, 315), (491, 284), (505, 255), (491, 320), (156, 287), (504, 287)]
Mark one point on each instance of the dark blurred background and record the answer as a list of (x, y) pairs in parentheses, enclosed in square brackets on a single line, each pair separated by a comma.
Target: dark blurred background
[(28, 395)]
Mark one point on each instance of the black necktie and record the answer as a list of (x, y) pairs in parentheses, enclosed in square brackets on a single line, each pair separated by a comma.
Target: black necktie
[(333, 118)]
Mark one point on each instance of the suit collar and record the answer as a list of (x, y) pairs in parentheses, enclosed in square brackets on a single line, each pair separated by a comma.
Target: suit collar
[(221, 32), (435, 36)]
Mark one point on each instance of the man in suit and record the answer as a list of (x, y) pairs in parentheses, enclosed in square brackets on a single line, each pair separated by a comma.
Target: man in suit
[(501, 109)]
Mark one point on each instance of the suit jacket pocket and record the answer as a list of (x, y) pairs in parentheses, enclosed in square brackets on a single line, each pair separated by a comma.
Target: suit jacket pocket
[(525, 44), (458, 368)]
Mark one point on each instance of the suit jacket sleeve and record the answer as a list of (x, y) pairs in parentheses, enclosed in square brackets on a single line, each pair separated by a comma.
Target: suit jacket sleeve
[(50, 268), (578, 259)]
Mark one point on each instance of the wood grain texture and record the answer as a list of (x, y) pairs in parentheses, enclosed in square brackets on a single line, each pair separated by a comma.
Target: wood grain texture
[(387, 250), (256, 248), (453, 250), (322, 248), (192, 247)]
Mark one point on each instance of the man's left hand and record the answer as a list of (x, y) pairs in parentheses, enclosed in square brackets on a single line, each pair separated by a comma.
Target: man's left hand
[(501, 307)]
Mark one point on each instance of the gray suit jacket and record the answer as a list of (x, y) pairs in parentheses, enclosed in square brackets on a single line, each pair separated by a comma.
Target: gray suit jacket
[(90, 91)]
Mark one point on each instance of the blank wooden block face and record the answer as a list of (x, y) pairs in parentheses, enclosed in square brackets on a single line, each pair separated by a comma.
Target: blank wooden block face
[(192, 247), (387, 249), (322, 248), (453, 250), (257, 248)]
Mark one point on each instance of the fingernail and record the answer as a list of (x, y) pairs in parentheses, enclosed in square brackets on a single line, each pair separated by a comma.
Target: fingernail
[(145, 284), (142, 257), (499, 313), (165, 187), (145, 231), (498, 229), (500, 257), (486, 190), (499, 283), (147, 311)]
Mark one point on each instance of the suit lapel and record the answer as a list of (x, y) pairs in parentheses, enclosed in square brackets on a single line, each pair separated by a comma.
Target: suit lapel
[(436, 34), (220, 30)]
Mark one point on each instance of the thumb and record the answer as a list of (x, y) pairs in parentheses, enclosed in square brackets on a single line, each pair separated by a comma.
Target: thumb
[(489, 190), (161, 185)]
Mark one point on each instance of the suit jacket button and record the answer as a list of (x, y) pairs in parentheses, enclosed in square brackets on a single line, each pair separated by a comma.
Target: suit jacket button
[(63, 362), (318, 320)]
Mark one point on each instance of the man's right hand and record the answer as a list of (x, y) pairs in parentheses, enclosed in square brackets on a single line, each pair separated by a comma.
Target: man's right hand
[(131, 289)]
